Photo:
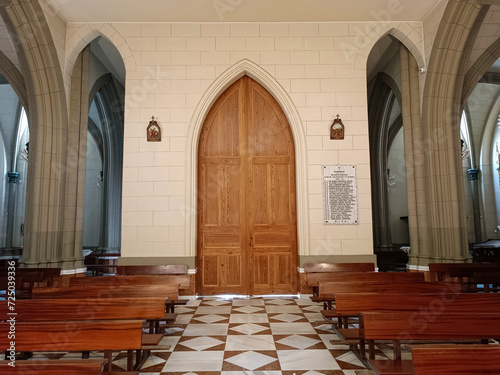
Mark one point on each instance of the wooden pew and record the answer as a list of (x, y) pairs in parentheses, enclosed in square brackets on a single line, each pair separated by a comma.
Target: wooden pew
[(49, 274), (78, 336), (398, 326), (490, 280), (441, 271), (164, 269), (139, 281), (456, 359), (313, 279), (338, 267), (313, 268), (101, 263), (151, 310), (54, 367), (170, 292), (422, 305), (327, 290)]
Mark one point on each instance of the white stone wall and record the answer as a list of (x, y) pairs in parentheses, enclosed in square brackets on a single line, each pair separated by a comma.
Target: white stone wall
[(172, 73)]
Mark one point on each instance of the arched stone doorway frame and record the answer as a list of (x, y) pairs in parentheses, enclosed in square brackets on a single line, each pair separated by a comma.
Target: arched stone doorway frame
[(231, 75)]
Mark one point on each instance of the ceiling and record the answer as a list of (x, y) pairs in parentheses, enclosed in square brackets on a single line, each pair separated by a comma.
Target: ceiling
[(243, 10)]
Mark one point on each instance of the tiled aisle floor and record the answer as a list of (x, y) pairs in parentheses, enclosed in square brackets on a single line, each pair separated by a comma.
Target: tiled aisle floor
[(243, 336)]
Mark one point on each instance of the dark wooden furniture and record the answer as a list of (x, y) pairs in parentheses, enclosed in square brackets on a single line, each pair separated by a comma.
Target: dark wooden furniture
[(441, 271), (55, 367), (456, 359), (310, 268), (169, 291), (78, 336), (399, 326), (99, 264), (489, 280), (164, 269), (157, 270), (327, 290)]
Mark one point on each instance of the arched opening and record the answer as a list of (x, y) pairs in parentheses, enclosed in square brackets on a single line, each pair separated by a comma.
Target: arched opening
[(387, 155), (104, 156), (14, 140)]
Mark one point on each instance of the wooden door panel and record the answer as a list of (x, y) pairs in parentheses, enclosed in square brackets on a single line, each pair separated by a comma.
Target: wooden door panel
[(246, 203)]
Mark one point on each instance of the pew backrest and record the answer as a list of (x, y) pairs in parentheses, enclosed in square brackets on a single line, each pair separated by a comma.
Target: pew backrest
[(443, 326), (164, 269), (74, 335), (423, 305), (183, 281), (53, 367), (170, 291), (456, 359), (313, 279), (327, 289), (338, 267), (87, 309)]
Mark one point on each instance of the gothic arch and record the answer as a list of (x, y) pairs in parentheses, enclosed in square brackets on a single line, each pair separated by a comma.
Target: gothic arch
[(480, 66), (84, 35), (405, 33), (15, 78), (231, 75)]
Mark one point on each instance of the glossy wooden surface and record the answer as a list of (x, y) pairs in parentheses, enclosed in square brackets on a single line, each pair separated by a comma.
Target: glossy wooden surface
[(53, 367), (162, 269), (171, 292), (338, 267), (87, 309), (456, 359), (313, 279), (246, 195), (74, 335), (417, 325), (183, 281), (426, 305), (328, 289)]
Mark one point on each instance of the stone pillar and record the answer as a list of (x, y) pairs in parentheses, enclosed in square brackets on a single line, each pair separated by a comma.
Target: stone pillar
[(11, 207), (416, 171), (474, 182)]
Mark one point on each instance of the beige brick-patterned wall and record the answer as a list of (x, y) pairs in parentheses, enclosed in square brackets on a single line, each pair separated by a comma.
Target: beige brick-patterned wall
[(175, 70)]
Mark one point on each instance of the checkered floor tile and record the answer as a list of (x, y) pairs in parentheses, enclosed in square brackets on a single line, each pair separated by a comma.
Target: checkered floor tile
[(242, 336)]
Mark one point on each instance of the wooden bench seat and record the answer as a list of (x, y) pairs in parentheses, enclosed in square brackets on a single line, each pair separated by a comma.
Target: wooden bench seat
[(327, 290), (170, 292), (314, 279), (59, 367), (398, 326), (182, 280), (77, 336), (163, 269), (150, 310), (456, 359), (441, 271), (322, 268)]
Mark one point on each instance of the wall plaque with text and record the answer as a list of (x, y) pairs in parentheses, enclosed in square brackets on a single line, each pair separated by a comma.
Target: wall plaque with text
[(340, 194)]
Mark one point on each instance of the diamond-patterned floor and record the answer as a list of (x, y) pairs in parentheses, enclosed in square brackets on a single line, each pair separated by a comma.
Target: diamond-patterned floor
[(242, 336)]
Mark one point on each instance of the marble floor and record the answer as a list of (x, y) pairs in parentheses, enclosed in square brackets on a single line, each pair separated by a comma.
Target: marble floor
[(243, 336)]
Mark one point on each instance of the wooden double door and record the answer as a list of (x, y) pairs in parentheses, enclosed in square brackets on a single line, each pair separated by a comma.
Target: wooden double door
[(247, 220)]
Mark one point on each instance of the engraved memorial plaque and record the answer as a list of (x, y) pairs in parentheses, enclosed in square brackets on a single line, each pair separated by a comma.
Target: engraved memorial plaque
[(340, 194)]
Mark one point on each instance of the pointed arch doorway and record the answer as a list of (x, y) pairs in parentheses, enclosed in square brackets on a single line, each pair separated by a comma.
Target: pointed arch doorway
[(247, 220)]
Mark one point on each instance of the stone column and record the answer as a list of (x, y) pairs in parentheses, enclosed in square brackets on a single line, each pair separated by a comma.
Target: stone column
[(474, 182), (11, 207)]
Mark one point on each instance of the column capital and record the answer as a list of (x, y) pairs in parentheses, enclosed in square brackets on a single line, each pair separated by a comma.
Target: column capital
[(13, 177), (473, 174)]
